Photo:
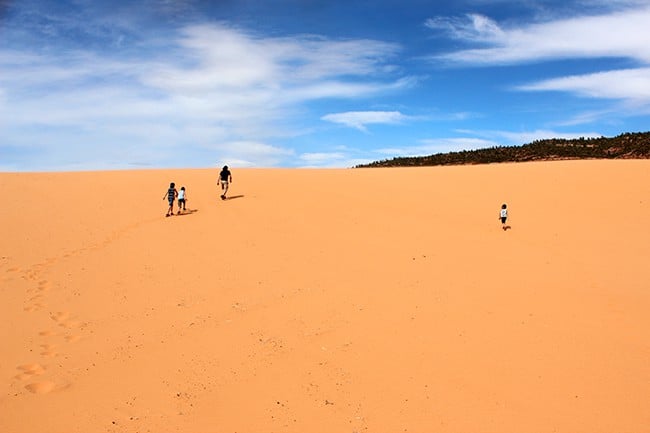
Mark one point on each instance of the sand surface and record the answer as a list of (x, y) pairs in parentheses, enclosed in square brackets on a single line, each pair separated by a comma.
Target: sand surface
[(374, 300)]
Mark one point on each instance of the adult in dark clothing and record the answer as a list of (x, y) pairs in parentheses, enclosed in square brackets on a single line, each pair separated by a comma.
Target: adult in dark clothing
[(225, 179)]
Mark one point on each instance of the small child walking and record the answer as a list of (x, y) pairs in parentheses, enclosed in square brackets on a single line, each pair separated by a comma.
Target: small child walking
[(504, 216), (171, 195), (182, 197)]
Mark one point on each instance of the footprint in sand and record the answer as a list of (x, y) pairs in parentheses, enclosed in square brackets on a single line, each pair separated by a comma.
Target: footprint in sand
[(29, 370), (33, 307), (47, 333), (72, 338), (48, 350), (42, 387), (60, 317), (71, 324)]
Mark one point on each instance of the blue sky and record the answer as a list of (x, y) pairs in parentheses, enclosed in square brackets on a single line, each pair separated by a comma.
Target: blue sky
[(93, 84)]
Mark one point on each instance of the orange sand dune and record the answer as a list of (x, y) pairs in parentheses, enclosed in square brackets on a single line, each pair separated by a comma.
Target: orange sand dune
[(375, 300)]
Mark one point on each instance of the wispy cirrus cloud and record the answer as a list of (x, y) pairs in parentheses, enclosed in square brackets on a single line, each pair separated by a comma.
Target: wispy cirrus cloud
[(471, 27), (360, 119), (250, 154), (509, 138), (201, 87), (620, 34), (618, 31), (220, 56), (437, 145), (628, 84), (324, 159), (478, 139)]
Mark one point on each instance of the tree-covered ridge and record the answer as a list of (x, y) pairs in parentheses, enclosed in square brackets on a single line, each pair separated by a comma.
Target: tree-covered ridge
[(624, 146)]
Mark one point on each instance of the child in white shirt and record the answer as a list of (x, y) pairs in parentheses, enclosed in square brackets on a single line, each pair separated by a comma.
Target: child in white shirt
[(504, 216), (182, 196)]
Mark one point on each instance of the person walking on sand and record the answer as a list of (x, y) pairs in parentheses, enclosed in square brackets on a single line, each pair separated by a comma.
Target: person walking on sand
[(504, 216), (225, 179), (171, 195), (182, 197)]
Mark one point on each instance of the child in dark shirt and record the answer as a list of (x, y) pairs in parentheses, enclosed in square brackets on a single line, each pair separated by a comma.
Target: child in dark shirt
[(171, 195)]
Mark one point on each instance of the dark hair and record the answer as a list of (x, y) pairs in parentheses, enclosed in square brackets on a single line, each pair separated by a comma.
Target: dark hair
[(171, 185), (182, 187), (225, 167), (503, 206)]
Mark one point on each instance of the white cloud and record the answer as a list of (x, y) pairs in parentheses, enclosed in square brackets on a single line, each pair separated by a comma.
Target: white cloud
[(629, 84), (621, 32), (324, 160), (616, 34), (219, 57), (206, 84), (528, 137), (438, 145), (507, 138), (593, 116), (320, 157), (249, 154), (474, 27), (359, 119), (478, 140)]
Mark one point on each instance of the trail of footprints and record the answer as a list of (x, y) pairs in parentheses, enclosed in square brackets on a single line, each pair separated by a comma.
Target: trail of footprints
[(64, 327), (36, 303)]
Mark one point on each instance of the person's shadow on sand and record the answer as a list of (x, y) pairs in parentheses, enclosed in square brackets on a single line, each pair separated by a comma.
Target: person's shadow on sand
[(187, 212), (505, 228), (234, 197)]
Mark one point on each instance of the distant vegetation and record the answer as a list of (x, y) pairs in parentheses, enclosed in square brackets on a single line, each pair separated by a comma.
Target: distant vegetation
[(624, 146)]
